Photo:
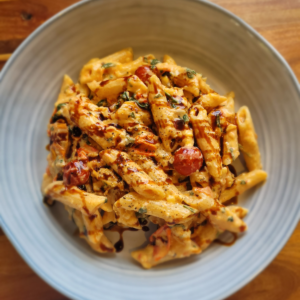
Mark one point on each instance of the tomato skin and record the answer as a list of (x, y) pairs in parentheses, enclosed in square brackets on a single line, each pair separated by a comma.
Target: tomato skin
[(144, 73), (75, 173), (188, 160)]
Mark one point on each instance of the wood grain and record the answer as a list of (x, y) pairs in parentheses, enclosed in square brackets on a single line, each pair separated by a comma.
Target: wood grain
[(279, 22)]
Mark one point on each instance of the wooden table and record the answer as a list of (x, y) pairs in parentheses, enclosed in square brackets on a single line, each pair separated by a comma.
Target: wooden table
[(279, 22)]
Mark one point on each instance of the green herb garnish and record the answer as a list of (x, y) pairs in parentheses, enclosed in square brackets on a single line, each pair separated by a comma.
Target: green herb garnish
[(142, 105), (189, 208), (218, 122), (102, 102), (185, 118), (59, 106), (158, 95), (243, 182), (105, 201), (91, 97), (142, 210), (125, 96), (230, 219), (131, 115), (190, 73), (173, 100), (192, 193), (108, 65), (129, 140), (153, 63)]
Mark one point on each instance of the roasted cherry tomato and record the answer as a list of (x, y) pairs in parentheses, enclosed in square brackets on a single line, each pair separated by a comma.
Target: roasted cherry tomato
[(188, 160), (144, 73), (76, 173)]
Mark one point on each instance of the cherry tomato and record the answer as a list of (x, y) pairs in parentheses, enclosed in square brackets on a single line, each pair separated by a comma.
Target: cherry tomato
[(76, 173), (188, 160), (144, 73)]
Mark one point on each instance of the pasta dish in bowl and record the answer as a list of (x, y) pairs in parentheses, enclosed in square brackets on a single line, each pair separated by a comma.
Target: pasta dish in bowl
[(139, 142)]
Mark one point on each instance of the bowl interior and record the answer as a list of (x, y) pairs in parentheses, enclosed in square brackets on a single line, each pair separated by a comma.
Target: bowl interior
[(200, 36)]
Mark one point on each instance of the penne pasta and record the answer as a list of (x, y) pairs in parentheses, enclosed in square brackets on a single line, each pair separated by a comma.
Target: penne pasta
[(248, 139), (243, 183), (86, 203), (206, 140), (170, 212)]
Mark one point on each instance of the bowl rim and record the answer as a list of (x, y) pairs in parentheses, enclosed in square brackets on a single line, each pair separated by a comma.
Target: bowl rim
[(13, 239)]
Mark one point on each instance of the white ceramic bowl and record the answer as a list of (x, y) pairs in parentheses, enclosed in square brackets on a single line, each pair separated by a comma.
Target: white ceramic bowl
[(201, 36)]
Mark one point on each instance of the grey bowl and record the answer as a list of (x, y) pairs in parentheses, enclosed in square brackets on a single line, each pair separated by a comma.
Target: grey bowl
[(201, 36)]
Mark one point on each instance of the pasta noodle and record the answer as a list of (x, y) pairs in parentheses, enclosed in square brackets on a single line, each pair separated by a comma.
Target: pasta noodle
[(142, 141)]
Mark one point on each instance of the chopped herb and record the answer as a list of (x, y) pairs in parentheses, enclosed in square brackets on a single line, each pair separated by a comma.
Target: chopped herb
[(173, 100), (145, 59), (192, 193), (102, 102), (91, 97), (110, 139), (90, 113), (105, 201), (185, 118), (158, 95), (108, 65), (153, 63), (142, 105), (125, 96), (218, 122), (59, 106), (231, 152), (118, 105), (190, 73), (142, 210), (243, 182), (129, 140), (189, 208), (230, 219), (131, 115)]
